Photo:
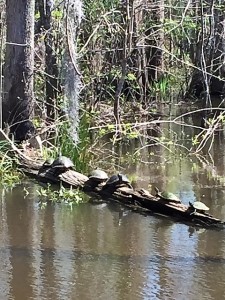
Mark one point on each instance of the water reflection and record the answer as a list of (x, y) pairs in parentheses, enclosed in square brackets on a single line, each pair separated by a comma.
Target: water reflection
[(84, 253), (105, 251)]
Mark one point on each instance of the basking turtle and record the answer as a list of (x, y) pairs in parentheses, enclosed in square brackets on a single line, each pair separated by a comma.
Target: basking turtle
[(167, 196), (198, 206), (98, 176), (118, 180), (62, 164), (48, 162), (46, 165)]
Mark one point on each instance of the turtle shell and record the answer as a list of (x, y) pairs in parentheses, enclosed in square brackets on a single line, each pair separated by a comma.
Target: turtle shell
[(114, 179), (46, 165), (123, 178), (48, 162), (62, 162), (98, 175), (200, 206), (167, 196), (118, 179)]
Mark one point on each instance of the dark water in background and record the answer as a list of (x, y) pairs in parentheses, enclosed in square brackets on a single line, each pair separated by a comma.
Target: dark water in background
[(104, 252)]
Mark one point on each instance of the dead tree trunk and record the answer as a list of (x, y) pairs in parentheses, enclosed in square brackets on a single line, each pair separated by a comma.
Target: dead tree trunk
[(19, 68)]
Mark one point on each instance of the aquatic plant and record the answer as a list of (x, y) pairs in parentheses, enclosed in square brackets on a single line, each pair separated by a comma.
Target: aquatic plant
[(68, 196)]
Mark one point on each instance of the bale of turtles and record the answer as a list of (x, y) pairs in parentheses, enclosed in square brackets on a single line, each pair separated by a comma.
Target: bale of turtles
[(167, 196), (117, 180), (198, 206), (98, 176), (62, 164)]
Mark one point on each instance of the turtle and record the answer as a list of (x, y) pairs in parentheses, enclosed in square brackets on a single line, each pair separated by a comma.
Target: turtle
[(62, 164), (48, 162), (168, 196), (46, 165), (198, 206), (98, 176), (117, 180)]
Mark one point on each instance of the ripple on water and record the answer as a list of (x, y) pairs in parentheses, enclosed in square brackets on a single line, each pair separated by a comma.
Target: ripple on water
[(91, 253)]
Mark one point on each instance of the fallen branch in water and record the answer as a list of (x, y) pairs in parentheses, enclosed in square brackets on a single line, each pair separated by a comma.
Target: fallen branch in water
[(138, 200)]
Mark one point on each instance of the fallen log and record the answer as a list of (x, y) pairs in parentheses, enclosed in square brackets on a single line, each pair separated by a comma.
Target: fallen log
[(147, 203), (138, 200)]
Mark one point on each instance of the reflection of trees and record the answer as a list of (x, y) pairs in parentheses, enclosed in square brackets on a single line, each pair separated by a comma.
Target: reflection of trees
[(84, 254), (5, 266), (20, 224), (209, 267), (106, 258)]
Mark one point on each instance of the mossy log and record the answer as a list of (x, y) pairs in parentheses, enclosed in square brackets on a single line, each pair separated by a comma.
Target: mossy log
[(138, 200)]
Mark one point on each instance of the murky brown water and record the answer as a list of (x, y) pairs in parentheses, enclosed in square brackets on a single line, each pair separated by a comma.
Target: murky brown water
[(105, 252), (90, 252)]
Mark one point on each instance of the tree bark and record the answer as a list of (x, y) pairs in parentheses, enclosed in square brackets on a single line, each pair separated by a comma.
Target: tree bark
[(51, 68), (150, 42), (155, 39), (19, 67)]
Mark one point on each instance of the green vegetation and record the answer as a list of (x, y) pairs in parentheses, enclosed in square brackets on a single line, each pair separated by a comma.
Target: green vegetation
[(8, 176), (81, 153), (67, 196)]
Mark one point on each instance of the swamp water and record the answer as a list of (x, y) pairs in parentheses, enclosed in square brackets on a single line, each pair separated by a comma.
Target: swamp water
[(103, 251)]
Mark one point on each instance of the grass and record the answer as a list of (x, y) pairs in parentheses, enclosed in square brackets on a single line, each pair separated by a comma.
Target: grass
[(79, 153), (9, 176)]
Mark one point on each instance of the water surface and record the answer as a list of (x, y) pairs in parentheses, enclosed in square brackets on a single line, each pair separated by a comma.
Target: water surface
[(104, 251)]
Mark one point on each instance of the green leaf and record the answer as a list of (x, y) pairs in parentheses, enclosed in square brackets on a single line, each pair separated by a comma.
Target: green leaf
[(131, 77)]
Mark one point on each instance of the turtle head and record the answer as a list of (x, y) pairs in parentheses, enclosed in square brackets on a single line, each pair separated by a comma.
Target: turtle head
[(120, 176)]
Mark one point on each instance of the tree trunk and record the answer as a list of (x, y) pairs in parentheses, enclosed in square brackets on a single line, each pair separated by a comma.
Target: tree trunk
[(209, 46), (125, 53), (19, 67), (155, 39), (51, 68), (150, 63), (217, 81)]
